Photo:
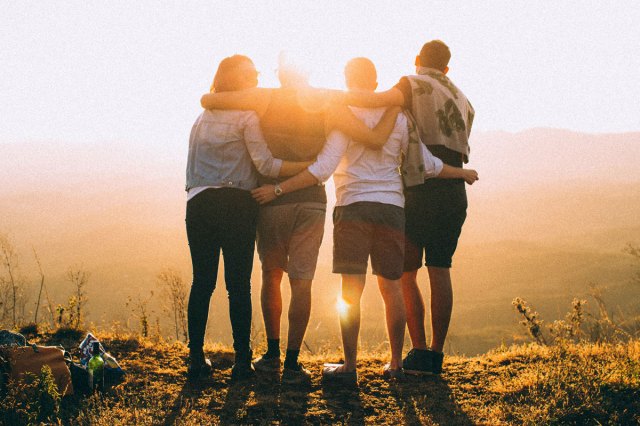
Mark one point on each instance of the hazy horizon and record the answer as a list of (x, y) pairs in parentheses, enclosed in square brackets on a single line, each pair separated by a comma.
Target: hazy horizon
[(546, 219)]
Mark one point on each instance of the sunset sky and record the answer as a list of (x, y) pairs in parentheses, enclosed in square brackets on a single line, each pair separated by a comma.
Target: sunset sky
[(134, 71)]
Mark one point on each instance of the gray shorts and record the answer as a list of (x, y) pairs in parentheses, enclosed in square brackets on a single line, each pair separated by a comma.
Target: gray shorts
[(289, 237)]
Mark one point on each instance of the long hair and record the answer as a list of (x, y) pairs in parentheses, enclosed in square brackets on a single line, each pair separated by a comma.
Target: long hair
[(226, 78)]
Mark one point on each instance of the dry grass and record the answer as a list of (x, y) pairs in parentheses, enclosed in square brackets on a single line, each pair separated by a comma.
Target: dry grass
[(527, 384)]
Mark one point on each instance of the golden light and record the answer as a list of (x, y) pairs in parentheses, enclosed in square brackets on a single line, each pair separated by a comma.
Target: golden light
[(341, 306)]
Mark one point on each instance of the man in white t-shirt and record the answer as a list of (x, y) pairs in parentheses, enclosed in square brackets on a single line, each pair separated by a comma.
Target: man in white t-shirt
[(368, 219)]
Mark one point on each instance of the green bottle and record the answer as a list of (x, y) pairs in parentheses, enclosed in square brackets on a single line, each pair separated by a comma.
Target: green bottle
[(96, 368)]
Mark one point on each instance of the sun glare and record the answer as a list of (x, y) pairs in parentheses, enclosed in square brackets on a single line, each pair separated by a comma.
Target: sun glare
[(321, 43), (341, 306)]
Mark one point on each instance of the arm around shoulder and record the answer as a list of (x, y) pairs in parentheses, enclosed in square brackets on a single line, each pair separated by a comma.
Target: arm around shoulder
[(256, 99), (341, 118), (391, 97)]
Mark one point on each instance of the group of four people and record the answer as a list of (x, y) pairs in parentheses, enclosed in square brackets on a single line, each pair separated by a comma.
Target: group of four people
[(245, 144)]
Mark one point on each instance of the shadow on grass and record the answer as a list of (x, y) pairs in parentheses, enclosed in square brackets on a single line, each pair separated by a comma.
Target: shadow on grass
[(428, 400), (234, 411), (294, 404), (345, 403), (279, 403), (184, 398), (267, 395)]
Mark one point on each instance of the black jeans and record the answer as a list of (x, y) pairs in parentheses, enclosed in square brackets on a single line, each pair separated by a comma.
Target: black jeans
[(221, 220)]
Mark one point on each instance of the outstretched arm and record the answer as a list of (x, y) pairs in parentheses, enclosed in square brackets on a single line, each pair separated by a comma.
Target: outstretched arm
[(391, 97), (266, 193), (341, 118), (292, 168), (256, 99), (450, 172), (435, 168), (319, 171)]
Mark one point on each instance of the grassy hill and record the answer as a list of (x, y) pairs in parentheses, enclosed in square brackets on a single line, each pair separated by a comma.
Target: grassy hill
[(526, 384)]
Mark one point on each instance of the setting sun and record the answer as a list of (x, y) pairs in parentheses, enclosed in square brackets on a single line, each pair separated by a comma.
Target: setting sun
[(341, 306)]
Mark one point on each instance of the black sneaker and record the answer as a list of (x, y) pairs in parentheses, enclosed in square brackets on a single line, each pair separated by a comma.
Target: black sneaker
[(436, 361), (199, 367), (242, 369), (423, 362), (299, 376)]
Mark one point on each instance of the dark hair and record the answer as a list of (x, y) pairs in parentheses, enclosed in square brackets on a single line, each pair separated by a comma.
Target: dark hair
[(360, 73), (226, 78), (435, 54)]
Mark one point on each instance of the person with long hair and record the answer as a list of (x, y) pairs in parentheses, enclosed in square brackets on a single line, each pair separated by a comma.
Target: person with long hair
[(226, 153)]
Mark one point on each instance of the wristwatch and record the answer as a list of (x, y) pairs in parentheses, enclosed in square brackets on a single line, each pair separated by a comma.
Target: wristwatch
[(277, 190)]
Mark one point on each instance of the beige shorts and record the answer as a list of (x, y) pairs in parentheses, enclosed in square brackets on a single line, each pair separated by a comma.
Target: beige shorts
[(289, 238)]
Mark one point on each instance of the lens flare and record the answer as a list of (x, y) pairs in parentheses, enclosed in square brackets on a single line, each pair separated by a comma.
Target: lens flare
[(341, 306)]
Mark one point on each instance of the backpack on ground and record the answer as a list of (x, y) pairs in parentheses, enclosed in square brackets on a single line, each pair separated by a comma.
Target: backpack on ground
[(30, 359), (17, 359)]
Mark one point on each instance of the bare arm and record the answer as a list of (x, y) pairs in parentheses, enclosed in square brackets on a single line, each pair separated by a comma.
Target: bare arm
[(319, 171), (391, 97), (291, 168), (266, 193), (450, 172), (341, 118), (256, 99), (436, 168)]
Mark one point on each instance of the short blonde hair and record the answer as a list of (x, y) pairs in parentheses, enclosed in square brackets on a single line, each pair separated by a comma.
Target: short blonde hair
[(360, 73)]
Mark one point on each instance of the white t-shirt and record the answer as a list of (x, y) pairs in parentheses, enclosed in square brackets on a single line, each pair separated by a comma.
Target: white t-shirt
[(364, 174)]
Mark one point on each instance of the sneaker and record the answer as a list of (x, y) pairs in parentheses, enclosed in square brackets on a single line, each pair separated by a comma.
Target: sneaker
[(423, 362), (389, 373), (299, 376), (267, 365), (199, 367), (243, 368), (331, 374), (242, 371), (436, 361)]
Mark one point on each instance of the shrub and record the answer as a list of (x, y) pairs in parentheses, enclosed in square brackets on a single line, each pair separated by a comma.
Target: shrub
[(30, 329), (176, 291), (32, 400), (599, 327)]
